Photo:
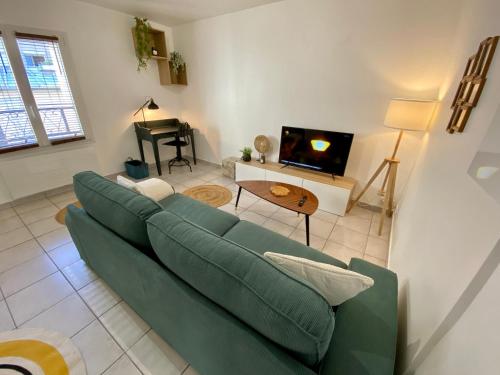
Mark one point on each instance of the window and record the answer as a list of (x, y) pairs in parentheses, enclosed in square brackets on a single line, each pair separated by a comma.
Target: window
[(37, 107)]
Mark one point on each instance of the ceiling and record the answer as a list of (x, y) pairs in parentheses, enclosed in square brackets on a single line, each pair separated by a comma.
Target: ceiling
[(174, 12)]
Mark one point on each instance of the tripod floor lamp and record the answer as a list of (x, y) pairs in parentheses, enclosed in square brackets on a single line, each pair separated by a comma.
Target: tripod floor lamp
[(402, 114)]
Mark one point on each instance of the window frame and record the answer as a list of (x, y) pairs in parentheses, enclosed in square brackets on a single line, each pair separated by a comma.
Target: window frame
[(8, 33)]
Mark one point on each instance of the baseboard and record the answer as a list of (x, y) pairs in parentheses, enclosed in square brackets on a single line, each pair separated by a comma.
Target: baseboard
[(69, 187)]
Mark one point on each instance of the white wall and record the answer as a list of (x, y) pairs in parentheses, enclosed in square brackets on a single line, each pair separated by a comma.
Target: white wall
[(327, 64), (446, 231), (100, 44)]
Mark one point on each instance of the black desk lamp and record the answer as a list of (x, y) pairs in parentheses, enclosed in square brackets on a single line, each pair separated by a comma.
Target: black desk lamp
[(151, 105)]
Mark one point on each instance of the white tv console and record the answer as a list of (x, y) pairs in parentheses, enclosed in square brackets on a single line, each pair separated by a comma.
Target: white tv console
[(333, 194)]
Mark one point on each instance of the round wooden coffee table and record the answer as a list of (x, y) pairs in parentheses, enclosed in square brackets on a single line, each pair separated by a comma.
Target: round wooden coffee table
[(299, 200)]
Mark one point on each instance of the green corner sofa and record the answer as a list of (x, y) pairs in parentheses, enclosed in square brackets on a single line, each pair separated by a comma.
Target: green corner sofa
[(197, 276)]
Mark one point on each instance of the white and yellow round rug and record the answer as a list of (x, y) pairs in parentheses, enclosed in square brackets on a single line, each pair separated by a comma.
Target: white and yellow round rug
[(34, 351)]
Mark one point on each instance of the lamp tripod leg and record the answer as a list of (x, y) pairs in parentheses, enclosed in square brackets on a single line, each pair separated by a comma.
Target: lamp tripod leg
[(370, 182), (396, 147), (389, 199)]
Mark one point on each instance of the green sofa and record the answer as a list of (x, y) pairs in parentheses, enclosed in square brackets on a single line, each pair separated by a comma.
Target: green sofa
[(196, 274)]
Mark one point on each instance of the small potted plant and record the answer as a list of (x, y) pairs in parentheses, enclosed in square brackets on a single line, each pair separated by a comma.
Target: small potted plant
[(246, 154)]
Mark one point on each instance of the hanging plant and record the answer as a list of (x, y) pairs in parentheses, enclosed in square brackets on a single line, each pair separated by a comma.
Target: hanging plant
[(177, 62), (143, 42)]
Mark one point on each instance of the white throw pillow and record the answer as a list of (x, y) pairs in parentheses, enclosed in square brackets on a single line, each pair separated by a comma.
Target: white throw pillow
[(336, 284), (153, 188), (120, 180)]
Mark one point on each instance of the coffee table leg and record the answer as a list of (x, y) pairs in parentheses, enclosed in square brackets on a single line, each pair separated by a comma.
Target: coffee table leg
[(238, 197), (307, 230)]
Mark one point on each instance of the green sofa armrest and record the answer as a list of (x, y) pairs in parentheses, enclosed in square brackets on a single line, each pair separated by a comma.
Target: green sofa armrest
[(365, 335)]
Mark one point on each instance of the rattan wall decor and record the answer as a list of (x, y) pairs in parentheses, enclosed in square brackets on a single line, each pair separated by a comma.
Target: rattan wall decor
[(471, 85)]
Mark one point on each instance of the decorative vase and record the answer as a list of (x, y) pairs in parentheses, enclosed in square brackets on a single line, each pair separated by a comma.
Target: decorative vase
[(246, 157)]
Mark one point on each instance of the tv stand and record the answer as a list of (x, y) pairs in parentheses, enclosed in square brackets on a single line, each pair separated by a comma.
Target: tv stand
[(333, 192)]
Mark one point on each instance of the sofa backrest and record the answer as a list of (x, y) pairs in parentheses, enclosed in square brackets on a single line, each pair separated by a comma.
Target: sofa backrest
[(278, 305), (116, 207)]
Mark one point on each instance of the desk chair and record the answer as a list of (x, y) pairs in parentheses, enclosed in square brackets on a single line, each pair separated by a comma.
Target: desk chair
[(181, 140)]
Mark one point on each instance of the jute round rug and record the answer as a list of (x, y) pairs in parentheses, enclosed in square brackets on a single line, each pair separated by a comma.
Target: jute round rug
[(37, 351), (213, 195), (60, 216)]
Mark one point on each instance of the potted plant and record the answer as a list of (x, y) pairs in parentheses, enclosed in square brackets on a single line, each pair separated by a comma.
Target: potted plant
[(176, 62), (246, 154), (143, 42)]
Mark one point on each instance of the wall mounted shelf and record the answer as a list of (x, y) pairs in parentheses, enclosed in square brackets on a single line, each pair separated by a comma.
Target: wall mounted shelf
[(166, 74)]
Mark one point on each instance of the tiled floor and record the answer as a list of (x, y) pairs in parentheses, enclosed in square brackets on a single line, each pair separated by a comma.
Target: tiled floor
[(44, 283)]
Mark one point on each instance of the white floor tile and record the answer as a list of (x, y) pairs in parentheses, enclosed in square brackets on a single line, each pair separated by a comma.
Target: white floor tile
[(361, 212), (9, 224), (19, 254), (378, 262), (124, 324), (5, 213), (99, 297), (325, 216), (193, 182), (316, 242), (287, 217), (377, 247), (6, 323), (67, 317), (230, 208), (386, 229), (97, 347), (223, 181), (349, 238), (154, 356), (278, 227), (263, 208), (25, 274), (341, 252), (32, 205), (63, 197), (38, 297), (209, 176), (318, 227), (252, 217), (124, 366), (44, 226), (245, 201), (39, 214), (357, 223), (56, 238), (79, 274), (14, 237), (65, 255)]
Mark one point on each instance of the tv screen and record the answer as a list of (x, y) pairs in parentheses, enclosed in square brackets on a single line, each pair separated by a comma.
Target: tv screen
[(320, 150)]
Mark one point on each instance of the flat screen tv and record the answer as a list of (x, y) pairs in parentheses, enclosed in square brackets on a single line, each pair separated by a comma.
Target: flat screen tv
[(319, 150)]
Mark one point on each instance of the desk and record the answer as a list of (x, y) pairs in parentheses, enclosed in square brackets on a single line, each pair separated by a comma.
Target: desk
[(152, 131)]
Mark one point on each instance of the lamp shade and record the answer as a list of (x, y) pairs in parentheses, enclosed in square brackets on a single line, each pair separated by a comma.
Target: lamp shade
[(409, 114), (152, 105)]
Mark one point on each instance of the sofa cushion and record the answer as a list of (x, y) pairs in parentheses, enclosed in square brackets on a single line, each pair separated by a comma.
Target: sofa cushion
[(260, 239), (275, 303), (116, 207), (210, 218)]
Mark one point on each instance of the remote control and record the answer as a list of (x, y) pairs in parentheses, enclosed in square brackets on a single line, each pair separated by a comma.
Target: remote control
[(302, 201)]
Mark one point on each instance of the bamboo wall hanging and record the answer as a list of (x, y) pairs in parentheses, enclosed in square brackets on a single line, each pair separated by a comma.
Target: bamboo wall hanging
[(471, 85)]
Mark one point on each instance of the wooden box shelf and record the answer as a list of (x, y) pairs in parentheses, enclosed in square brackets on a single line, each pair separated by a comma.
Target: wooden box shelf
[(166, 74)]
